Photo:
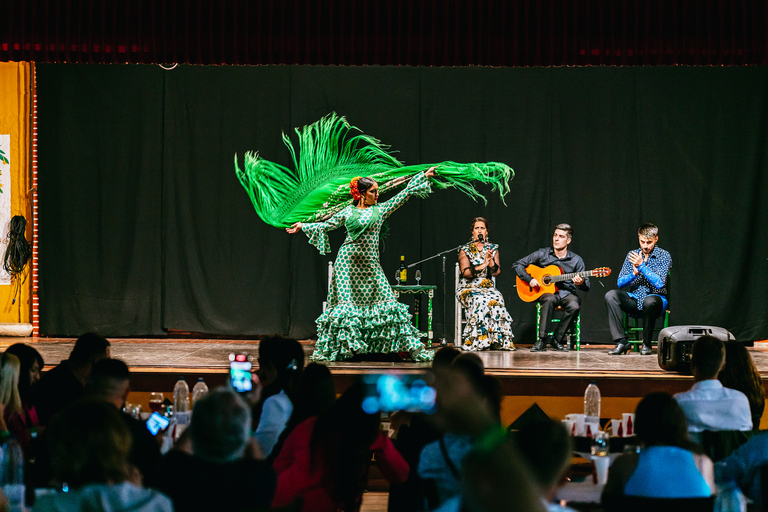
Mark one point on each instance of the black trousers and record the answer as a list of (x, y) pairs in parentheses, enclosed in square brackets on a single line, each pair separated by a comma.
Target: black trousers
[(618, 301), (571, 304)]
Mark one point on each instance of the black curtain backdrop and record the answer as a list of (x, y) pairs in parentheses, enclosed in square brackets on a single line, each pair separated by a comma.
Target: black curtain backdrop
[(144, 227)]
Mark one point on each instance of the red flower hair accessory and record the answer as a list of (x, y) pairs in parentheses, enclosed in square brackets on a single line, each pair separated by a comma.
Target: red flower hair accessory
[(356, 195)]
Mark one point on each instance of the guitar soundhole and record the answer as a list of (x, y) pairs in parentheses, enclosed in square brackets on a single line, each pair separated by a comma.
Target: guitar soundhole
[(547, 279)]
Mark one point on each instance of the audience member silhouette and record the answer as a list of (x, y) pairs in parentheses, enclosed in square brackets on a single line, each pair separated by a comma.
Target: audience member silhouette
[(66, 382), (739, 373), (89, 445), (669, 464), (216, 464)]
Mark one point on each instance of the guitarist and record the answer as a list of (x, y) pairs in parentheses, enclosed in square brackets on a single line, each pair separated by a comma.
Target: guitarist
[(565, 296)]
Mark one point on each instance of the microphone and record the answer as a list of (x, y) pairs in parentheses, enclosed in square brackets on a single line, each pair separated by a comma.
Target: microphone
[(480, 237)]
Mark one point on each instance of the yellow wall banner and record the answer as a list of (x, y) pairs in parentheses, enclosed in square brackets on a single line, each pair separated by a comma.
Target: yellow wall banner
[(5, 198), (15, 198)]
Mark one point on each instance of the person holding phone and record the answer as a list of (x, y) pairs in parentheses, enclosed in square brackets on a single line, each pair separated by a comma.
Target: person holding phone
[(489, 325), (363, 315), (643, 278)]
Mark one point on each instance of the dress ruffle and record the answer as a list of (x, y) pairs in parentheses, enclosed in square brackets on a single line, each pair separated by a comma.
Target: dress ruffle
[(346, 330)]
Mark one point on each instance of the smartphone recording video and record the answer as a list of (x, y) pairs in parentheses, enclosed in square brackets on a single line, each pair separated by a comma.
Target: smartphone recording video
[(240, 373), (398, 392), (157, 422)]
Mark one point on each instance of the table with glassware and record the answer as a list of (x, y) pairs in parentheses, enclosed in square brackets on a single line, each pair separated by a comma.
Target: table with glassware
[(418, 289)]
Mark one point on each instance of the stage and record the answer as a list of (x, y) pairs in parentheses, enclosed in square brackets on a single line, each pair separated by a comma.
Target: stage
[(554, 380)]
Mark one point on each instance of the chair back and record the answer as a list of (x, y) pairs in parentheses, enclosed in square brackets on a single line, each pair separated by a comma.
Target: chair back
[(718, 444), (617, 503)]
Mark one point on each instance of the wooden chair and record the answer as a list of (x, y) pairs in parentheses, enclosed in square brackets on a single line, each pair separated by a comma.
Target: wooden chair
[(574, 331), (634, 329)]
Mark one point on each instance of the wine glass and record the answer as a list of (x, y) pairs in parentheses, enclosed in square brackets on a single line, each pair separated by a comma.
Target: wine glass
[(418, 277), (156, 402), (397, 277)]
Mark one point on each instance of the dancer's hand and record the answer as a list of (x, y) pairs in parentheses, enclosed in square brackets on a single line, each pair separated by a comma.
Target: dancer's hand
[(295, 228), (431, 172)]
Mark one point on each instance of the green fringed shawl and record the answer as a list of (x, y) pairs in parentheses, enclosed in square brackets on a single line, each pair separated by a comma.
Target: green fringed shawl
[(329, 158)]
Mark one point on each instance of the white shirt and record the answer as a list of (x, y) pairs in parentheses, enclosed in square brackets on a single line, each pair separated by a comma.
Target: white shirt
[(274, 416), (710, 406)]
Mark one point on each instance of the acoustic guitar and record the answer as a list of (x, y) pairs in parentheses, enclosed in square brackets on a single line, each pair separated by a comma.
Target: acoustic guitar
[(548, 276)]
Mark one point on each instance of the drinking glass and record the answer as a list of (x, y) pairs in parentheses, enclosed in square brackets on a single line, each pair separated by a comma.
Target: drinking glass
[(600, 444), (397, 276), (156, 402), (418, 277)]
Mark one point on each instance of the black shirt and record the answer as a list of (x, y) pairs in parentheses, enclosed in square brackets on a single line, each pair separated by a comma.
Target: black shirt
[(544, 257)]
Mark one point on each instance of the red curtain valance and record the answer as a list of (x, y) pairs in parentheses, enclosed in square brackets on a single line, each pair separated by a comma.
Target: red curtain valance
[(387, 32)]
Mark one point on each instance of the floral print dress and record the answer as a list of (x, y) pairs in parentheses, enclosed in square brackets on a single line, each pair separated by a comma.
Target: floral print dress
[(363, 316), (488, 324)]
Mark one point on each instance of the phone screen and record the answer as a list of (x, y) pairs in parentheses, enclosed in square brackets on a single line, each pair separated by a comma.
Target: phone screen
[(157, 422), (240, 376), (398, 392)]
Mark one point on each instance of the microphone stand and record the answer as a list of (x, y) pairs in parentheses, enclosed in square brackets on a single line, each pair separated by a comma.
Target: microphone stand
[(443, 340)]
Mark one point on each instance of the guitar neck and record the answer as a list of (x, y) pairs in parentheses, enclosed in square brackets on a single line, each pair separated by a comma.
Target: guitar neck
[(566, 277)]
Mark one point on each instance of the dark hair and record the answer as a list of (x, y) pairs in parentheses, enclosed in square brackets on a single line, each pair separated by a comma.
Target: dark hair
[(107, 375), (27, 356), (89, 443), (288, 360), (315, 394), (648, 230), (340, 445), (469, 364), (740, 373), (286, 356), (363, 184), (546, 447), (565, 227), (659, 420), (707, 356), (444, 357), (88, 348)]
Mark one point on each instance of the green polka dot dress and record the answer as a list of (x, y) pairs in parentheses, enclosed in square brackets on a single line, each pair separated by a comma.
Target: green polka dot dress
[(363, 315)]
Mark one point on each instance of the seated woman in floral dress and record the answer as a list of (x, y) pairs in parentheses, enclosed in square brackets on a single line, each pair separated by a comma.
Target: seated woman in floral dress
[(489, 325)]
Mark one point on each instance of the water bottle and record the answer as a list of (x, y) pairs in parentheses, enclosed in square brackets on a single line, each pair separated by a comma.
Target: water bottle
[(181, 396), (12, 475), (180, 407), (592, 403), (199, 391), (730, 499)]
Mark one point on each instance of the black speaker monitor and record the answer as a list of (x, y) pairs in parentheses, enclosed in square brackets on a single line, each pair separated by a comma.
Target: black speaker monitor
[(675, 344)]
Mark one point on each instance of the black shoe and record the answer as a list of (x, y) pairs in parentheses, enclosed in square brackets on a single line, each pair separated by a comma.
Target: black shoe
[(555, 345), (646, 351), (539, 346), (622, 347)]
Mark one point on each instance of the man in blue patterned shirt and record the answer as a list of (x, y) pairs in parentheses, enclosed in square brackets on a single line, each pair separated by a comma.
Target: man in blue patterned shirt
[(643, 290)]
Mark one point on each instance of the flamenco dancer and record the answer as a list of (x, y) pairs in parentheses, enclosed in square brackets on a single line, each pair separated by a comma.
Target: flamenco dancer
[(360, 298), (363, 315)]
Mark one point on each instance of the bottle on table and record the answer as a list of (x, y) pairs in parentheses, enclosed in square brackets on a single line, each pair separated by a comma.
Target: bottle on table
[(592, 403), (180, 407), (199, 391), (403, 270), (12, 475)]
